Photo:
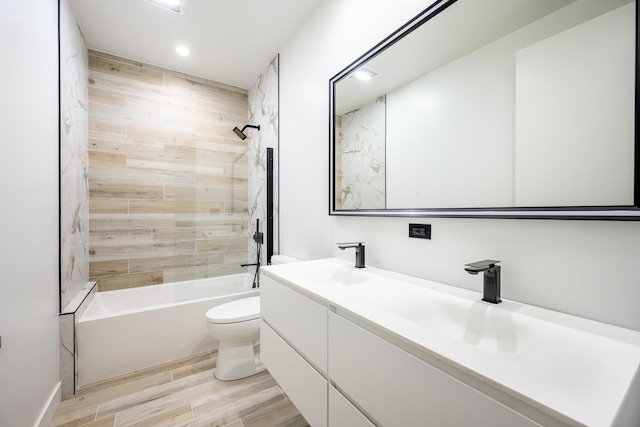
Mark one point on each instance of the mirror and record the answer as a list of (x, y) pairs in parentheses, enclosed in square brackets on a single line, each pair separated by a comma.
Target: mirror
[(498, 108)]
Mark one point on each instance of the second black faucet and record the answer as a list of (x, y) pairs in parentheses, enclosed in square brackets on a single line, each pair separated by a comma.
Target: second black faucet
[(491, 278), (359, 251)]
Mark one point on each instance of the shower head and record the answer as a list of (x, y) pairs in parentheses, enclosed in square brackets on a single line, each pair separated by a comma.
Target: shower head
[(241, 134)]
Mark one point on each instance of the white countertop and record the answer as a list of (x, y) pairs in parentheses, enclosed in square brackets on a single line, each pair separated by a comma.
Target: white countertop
[(577, 370)]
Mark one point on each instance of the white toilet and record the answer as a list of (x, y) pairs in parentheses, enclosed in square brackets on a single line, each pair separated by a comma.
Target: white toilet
[(236, 325)]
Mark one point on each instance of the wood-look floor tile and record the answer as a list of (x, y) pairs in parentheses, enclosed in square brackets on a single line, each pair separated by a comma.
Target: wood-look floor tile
[(181, 393), (70, 418), (103, 422), (239, 408), (235, 391), (160, 398), (255, 403), (211, 421), (248, 408), (145, 373), (280, 414), (168, 418), (83, 406), (195, 368)]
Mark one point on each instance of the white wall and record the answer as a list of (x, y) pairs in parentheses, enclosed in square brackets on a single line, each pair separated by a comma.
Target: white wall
[(588, 268), (29, 213), (334, 36)]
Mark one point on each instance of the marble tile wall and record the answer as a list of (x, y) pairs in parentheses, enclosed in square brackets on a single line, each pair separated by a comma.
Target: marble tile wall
[(263, 111), (362, 179), (68, 340), (74, 160), (74, 194), (67, 351), (168, 178)]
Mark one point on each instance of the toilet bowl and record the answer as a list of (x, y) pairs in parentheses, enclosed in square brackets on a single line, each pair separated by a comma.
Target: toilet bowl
[(236, 325)]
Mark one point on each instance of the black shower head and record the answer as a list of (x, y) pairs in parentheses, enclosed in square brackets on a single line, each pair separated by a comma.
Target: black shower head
[(241, 134)]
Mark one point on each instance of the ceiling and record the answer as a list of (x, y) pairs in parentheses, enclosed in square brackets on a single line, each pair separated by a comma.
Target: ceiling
[(230, 41)]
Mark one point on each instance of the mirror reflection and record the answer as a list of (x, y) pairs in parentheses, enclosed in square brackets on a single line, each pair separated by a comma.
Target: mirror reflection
[(492, 104)]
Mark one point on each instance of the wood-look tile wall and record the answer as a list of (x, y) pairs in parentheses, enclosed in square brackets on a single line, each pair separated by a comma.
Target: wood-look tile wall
[(167, 175)]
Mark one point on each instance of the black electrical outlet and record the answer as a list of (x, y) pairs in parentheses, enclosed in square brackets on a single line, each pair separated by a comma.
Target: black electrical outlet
[(420, 231)]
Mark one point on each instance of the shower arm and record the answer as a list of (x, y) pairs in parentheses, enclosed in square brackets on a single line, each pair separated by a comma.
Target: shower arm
[(241, 133)]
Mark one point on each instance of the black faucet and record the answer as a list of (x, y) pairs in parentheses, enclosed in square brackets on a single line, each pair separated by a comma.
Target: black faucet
[(491, 278), (359, 252)]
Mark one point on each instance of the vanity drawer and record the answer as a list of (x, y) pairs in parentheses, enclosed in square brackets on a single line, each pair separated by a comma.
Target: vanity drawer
[(306, 388), (302, 321), (343, 414), (396, 388)]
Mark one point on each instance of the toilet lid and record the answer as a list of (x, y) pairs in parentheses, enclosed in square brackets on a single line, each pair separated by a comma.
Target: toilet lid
[(235, 311)]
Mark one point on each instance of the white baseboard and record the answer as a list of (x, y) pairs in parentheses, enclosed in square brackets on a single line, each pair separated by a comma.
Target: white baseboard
[(44, 420)]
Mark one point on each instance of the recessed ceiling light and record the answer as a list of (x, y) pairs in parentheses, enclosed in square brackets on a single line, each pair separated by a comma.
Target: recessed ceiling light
[(182, 50), (175, 5), (363, 75)]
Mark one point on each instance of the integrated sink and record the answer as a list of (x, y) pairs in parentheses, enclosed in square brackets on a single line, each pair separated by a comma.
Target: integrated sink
[(494, 329), (326, 274)]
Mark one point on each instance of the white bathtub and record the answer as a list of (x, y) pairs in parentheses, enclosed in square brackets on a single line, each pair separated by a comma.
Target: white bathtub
[(131, 329)]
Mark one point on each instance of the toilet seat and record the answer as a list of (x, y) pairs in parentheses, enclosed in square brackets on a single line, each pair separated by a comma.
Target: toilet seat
[(235, 311)]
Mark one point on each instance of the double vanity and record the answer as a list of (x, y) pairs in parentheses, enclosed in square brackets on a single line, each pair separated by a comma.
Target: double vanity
[(367, 347)]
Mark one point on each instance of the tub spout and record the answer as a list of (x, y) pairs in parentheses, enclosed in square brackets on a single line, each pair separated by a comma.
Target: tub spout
[(359, 252), (491, 291)]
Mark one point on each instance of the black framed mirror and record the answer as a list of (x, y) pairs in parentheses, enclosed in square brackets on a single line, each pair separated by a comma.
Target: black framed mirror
[(492, 109)]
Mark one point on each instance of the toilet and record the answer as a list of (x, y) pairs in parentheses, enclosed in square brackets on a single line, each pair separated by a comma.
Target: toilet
[(236, 325)]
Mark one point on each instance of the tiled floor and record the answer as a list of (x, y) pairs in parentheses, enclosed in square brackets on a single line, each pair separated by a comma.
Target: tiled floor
[(181, 393)]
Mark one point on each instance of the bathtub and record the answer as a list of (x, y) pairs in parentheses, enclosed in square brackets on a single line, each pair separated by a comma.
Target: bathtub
[(127, 330)]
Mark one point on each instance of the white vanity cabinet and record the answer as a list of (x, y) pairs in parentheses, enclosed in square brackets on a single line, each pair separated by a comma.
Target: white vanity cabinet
[(361, 347), (293, 347), (395, 388), (341, 375)]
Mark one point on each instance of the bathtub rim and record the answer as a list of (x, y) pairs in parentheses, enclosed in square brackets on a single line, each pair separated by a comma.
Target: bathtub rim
[(105, 314)]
